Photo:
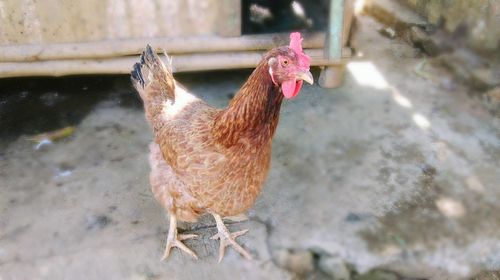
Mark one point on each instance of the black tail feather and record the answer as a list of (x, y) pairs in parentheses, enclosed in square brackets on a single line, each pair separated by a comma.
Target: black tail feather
[(149, 55), (153, 81), (136, 75), (150, 62)]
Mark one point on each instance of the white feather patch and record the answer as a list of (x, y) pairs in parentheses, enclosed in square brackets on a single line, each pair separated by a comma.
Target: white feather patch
[(182, 99)]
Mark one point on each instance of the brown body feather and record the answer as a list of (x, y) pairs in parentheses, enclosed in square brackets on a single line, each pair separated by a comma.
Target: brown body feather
[(206, 159)]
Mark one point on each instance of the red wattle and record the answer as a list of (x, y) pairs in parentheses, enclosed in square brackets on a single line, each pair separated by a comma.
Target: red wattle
[(291, 88)]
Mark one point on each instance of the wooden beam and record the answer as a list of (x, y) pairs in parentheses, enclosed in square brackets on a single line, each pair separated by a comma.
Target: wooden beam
[(123, 65), (117, 48)]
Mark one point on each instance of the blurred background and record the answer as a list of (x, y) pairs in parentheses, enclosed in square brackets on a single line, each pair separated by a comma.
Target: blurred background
[(386, 168)]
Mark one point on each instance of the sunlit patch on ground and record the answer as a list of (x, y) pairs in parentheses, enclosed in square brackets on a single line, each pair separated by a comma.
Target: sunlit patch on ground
[(421, 121), (366, 74), (450, 207)]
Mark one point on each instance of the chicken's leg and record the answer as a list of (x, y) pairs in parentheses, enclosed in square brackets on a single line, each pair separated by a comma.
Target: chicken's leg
[(175, 240), (228, 238)]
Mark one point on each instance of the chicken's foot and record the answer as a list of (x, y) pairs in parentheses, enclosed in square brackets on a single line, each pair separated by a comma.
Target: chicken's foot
[(175, 240), (228, 238)]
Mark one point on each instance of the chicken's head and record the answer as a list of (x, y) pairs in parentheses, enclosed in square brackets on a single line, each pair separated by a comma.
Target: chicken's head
[(289, 67)]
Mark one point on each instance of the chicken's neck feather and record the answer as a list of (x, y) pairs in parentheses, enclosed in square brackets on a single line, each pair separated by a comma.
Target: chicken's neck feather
[(253, 114)]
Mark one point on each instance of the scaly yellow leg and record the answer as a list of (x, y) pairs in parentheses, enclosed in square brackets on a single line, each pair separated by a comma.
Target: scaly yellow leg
[(174, 239), (228, 238)]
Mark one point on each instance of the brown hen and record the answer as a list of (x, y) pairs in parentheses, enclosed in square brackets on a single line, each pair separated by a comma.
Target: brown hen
[(209, 160)]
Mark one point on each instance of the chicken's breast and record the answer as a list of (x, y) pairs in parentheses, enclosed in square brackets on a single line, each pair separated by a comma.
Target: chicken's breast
[(168, 190)]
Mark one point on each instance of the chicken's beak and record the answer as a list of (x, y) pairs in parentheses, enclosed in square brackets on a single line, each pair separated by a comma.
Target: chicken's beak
[(306, 76)]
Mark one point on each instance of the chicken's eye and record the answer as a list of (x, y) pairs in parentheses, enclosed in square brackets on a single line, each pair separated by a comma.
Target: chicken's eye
[(285, 62)]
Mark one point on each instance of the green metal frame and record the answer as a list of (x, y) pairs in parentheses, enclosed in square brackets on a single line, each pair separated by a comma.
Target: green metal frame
[(335, 30)]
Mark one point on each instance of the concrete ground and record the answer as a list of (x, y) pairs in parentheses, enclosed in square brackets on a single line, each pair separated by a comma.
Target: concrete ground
[(395, 171)]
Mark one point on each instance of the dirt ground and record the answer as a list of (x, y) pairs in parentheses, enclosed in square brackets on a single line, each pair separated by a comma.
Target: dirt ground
[(394, 170)]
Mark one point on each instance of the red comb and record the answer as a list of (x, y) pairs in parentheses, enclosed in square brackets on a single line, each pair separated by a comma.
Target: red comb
[(296, 46)]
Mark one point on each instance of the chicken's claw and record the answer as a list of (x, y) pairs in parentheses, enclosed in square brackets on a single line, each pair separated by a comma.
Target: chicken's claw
[(175, 240), (227, 238)]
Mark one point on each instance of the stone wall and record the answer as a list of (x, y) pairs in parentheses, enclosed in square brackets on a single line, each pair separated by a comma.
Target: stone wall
[(477, 20), (61, 21)]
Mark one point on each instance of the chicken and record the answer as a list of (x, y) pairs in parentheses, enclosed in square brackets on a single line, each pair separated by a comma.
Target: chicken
[(209, 160)]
